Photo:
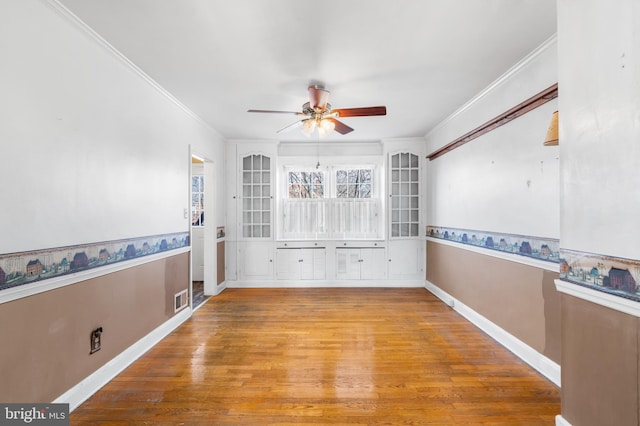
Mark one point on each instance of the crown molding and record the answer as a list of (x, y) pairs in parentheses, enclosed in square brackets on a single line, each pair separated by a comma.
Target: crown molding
[(100, 41), (499, 81)]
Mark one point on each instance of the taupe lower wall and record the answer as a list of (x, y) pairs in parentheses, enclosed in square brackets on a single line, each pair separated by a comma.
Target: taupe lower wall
[(599, 364), (220, 263), (519, 298), (46, 337)]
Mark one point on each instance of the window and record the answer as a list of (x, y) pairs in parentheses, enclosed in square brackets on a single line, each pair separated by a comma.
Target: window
[(337, 202), (197, 200), (304, 209), (305, 184), (405, 195), (256, 196), (353, 183)]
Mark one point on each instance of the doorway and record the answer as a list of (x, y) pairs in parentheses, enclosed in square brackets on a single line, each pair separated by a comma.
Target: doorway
[(202, 227)]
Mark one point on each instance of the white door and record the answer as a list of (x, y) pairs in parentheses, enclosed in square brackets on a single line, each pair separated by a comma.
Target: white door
[(287, 264), (256, 261), (406, 259), (319, 264), (313, 264), (373, 265), (348, 264)]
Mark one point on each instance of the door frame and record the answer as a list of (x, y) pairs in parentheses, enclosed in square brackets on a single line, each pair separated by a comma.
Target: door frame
[(210, 246)]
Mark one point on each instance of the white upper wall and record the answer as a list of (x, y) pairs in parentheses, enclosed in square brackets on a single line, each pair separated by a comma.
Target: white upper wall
[(92, 150), (600, 126), (506, 180)]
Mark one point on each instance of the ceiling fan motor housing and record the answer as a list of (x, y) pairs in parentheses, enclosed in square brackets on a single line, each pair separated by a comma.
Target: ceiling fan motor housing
[(319, 98), (307, 109)]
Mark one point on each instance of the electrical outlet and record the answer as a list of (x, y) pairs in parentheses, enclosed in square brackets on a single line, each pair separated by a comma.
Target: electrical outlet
[(96, 337)]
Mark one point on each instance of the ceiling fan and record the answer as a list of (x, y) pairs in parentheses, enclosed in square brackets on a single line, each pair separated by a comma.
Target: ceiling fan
[(318, 114)]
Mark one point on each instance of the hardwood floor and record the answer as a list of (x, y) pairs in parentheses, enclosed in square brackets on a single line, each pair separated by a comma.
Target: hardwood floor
[(325, 356)]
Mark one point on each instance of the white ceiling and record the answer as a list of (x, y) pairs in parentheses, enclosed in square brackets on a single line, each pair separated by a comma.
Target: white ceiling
[(421, 58)]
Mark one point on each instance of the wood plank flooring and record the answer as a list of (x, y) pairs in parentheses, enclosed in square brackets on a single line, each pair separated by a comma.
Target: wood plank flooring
[(325, 356)]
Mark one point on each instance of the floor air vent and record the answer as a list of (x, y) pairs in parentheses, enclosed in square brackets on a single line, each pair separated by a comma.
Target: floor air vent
[(181, 300)]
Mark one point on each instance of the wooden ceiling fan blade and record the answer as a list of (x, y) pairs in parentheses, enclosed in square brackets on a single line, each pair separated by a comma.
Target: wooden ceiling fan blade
[(318, 98), (276, 112), (361, 112), (340, 127), (290, 127)]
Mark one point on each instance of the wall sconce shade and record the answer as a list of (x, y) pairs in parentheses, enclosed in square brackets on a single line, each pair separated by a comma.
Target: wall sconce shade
[(552, 133)]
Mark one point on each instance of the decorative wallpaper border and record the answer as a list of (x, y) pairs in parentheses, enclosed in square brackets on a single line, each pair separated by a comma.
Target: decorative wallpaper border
[(613, 275), (546, 249), (23, 268)]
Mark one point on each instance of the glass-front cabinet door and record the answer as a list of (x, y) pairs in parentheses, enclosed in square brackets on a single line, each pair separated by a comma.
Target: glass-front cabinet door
[(405, 195), (256, 196)]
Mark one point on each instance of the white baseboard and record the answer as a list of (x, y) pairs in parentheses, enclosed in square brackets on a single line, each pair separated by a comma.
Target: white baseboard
[(220, 288), (325, 283), (545, 366), (560, 421), (92, 383)]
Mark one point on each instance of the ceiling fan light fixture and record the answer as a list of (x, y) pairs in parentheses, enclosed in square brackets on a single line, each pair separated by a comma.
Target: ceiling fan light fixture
[(308, 126), (325, 127)]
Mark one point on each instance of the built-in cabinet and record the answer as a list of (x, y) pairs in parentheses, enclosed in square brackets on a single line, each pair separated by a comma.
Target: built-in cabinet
[(258, 254), (361, 263), (253, 221), (256, 196), (405, 195), (301, 263)]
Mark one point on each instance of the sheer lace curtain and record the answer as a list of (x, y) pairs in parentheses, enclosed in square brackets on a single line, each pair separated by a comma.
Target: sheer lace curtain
[(314, 218), (305, 218), (355, 218)]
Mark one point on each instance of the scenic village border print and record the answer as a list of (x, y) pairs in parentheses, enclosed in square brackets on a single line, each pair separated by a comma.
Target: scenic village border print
[(546, 249), (17, 269), (612, 275)]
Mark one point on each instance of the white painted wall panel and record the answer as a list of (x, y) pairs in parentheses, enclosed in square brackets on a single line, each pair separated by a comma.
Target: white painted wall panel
[(506, 180), (91, 150), (600, 126)]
